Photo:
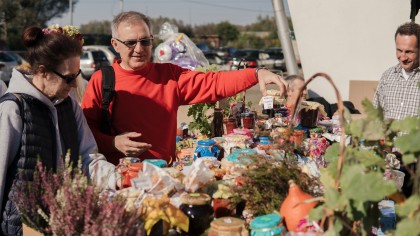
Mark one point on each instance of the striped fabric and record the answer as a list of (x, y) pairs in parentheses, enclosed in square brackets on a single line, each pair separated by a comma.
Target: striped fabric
[(398, 97)]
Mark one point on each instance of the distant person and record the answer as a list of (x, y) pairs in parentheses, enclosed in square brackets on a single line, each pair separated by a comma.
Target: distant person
[(39, 121), (296, 84), (398, 92), (148, 95), (3, 87)]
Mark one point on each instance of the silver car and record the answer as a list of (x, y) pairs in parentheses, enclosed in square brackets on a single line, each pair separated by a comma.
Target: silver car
[(7, 63), (91, 61)]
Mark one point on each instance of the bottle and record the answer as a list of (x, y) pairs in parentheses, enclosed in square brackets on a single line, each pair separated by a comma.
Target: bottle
[(217, 123)]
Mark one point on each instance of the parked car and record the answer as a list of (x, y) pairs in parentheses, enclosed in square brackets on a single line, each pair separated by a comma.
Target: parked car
[(17, 56), (92, 60), (277, 55), (109, 51), (252, 58), (7, 62), (214, 58), (249, 58)]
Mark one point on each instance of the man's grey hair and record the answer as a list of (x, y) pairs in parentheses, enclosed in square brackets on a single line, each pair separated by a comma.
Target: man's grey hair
[(130, 17)]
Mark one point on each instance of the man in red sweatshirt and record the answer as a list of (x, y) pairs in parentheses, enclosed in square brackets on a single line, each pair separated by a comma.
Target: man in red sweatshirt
[(144, 110)]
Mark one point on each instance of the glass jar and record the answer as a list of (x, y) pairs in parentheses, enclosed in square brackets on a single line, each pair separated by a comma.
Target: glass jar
[(267, 225), (230, 125), (199, 211), (206, 148), (228, 226), (248, 120)]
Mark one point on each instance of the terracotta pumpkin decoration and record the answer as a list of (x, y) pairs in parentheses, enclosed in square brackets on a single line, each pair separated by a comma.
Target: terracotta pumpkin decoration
[(293, 208)]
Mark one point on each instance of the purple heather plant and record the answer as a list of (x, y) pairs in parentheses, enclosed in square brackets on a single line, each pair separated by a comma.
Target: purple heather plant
[(67, 203)]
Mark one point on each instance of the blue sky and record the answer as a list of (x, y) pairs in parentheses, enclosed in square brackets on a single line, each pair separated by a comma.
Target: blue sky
[(195, 12)]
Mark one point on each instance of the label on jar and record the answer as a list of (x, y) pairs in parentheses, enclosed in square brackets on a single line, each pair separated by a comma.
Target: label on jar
[(268, 102)]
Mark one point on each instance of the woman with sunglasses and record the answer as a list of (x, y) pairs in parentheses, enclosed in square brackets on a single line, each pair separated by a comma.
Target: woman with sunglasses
[(38, 119)]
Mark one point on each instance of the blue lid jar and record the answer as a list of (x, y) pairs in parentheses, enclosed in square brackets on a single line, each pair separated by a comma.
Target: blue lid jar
[(206, 148), (266, 225), (265, 140), (156, 162)]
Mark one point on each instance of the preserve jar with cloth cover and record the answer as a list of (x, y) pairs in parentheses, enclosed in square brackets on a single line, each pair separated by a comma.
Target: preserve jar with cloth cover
[(228, 226), (206, 148), (199, 211), (267, 225)]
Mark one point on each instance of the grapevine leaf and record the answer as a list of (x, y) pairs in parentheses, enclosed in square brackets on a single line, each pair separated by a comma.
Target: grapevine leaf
[(316, 213), (409, 158), (409, 142), (358, 185), (409, 206), (408, 227), (407, 125)]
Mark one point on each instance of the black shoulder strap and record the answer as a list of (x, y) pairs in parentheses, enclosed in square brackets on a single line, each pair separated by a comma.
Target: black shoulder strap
[(108, 93)]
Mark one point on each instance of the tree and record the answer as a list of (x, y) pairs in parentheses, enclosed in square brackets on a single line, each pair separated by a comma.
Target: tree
[(227, 32), (19, 14), (96, 27)]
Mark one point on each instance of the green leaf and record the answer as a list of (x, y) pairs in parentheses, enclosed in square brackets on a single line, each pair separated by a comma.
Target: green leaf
[(368, 158), (367, 129), (326, 178), (361, 186), (331, 196), (316, 213), (409, 143), (371, 111), (409, 158), (409, 206), (408, 227), (409, 124)]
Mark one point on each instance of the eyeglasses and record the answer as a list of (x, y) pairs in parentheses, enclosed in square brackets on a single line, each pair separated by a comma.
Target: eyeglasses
[(67, 78), (132, 43)]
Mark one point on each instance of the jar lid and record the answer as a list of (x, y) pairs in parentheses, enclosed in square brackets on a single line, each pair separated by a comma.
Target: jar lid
[(229, 224), (195, 199), (156, 162), (266, 221), (205, 142), (264, 138), (250, 114)]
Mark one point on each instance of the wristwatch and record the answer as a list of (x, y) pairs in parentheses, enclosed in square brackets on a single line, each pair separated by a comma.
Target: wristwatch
[(258, 69)]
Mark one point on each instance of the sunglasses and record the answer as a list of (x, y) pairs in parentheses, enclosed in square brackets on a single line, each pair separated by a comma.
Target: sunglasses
[(132, 43), (67, 78)]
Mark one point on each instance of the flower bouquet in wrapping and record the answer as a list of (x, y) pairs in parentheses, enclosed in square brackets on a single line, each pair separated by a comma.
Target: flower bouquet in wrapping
[(67, 203)]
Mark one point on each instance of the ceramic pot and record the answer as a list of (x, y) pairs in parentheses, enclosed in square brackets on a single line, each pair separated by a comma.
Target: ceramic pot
[(293, 208)]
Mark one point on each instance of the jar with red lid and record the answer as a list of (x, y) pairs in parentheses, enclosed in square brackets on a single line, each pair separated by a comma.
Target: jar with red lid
[(248, 120), (230, 125)]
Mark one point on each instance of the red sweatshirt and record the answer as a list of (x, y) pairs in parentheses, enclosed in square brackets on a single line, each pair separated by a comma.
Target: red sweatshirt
[(147, 102)]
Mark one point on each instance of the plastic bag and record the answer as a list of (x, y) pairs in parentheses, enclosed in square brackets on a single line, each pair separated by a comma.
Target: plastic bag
[(178, 49)]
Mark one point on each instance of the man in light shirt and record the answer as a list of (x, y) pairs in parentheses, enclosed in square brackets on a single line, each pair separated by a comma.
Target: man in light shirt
[(398, 92)]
